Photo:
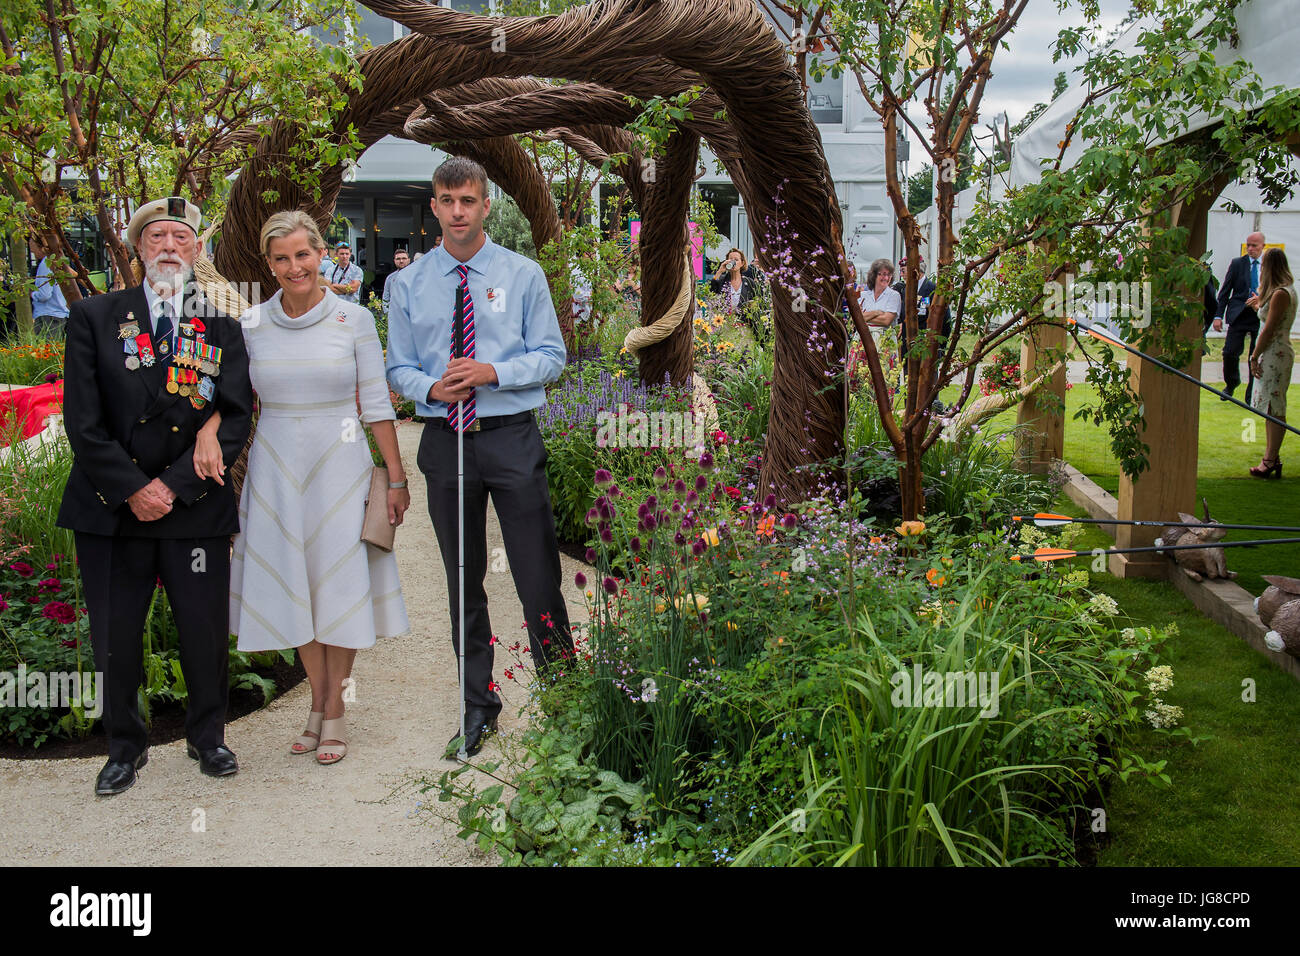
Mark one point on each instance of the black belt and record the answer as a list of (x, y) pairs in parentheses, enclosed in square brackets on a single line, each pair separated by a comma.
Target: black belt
[(486, 423)]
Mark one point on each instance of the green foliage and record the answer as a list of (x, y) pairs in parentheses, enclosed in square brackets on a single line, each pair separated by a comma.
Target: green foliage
[(509, 228), (659, 118), (143, 99)]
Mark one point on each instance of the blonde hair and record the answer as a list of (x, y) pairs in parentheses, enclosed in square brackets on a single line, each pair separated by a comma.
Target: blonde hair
[(1274, 273), (286, 224)]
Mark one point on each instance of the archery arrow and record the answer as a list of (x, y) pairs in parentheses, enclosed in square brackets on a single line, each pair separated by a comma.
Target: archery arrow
[(1045, 520)]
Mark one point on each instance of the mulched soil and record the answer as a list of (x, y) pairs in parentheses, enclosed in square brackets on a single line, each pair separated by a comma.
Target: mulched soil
[(168, 720)]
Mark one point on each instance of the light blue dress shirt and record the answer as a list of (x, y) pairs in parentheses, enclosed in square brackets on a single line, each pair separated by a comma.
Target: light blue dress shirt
[(47, 297), (339, 276), (515, 329)]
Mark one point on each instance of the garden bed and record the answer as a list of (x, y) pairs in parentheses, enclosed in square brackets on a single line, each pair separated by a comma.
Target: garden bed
[(168, 719)]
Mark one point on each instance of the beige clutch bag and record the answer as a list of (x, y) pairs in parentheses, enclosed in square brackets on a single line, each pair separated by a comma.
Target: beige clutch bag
[(375, 529)]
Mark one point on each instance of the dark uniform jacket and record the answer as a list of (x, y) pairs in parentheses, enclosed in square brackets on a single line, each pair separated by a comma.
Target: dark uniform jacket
[(126, 429), (1234, 293)]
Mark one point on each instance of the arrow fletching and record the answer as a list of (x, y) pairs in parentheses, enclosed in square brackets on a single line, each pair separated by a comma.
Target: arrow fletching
[(1045, 520), (1048, 554)]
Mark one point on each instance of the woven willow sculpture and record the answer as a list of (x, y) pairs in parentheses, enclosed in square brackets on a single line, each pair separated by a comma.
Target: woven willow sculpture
[(468, 82)]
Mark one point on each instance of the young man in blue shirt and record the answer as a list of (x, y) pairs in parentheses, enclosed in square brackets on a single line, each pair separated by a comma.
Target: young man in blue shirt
[(513, 348)]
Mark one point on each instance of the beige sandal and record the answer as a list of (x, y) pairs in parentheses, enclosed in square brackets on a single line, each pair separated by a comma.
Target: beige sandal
[(332, 729), (306, 744)]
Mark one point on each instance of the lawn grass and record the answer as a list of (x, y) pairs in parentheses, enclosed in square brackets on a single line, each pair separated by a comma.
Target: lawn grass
[(1231, 440), (1229, 801), (1228, 804)]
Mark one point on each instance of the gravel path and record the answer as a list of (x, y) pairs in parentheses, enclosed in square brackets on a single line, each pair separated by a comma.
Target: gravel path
[(280, 808)]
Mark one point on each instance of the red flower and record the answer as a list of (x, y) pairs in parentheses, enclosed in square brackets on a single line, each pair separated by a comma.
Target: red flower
[(51, 584), (733, 493), (22, 568), (58, 611), (4, 605), (493, 685), (492, 640)]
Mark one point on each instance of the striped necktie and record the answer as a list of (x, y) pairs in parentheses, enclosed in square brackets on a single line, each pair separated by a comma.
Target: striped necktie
[(467, 305)]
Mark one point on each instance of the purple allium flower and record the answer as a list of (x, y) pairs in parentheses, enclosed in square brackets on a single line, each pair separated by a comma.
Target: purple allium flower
[(679, 486), (652, 502), (610, 585), (603, 478), (650, 522), (635, 545), (580, 580), (592, 517), (606, 535), (661, 476), (701, 482), (769, 501), (590, 555), (679, 539), (789, 521), (706, 461), (697, 547)]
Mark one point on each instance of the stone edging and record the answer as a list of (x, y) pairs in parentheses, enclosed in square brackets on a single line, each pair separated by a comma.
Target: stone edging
[(1224, 602)]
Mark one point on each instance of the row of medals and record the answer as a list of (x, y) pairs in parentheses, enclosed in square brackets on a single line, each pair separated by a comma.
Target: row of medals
[(139, 352)]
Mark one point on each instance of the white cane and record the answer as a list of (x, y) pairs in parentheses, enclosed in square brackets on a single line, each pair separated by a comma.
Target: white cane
[(461, 755), (458, 334)]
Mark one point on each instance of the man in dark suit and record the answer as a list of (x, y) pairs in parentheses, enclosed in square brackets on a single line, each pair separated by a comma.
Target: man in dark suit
[(144, 368), (1239, 284)]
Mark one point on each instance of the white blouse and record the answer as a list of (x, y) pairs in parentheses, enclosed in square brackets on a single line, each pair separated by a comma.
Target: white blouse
[(889, 301)]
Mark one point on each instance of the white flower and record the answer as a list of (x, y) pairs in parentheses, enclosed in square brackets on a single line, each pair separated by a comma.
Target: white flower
[(1160, 679), (1163, 715), (1128, 636), (1105, 604)]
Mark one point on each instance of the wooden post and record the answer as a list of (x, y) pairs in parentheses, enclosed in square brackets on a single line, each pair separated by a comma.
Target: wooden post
[(1042, 433), (1171, 407), (1043, 438)]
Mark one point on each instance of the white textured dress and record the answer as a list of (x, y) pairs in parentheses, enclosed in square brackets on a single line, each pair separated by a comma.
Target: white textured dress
[(300, 569)]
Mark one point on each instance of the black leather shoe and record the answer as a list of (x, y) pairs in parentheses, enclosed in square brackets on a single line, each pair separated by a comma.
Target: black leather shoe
[(479, 725), (119, 775), (217, 762), (1227, 390)]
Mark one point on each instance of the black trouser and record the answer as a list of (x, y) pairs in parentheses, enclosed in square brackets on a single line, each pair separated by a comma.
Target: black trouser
[(119, 575), (1232, 348), (508, 463)]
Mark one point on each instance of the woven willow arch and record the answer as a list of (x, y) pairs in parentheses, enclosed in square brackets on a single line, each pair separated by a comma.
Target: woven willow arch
[(480, 74)]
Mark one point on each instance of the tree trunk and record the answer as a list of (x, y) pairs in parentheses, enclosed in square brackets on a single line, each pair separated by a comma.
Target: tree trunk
[(23, 304)]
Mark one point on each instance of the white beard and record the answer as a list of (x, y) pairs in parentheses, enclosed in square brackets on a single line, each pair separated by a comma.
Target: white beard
[(172, 277)]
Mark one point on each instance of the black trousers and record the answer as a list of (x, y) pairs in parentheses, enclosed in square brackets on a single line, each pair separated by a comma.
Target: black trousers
[(1232, 348), (509, 465), (119, 575)]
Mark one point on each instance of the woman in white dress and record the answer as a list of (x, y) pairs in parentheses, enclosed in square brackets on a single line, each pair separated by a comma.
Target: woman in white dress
[(1272, 357), (300, 575)]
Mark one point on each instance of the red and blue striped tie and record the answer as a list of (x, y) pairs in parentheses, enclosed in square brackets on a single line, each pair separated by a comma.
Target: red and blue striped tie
[(467, 351)]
